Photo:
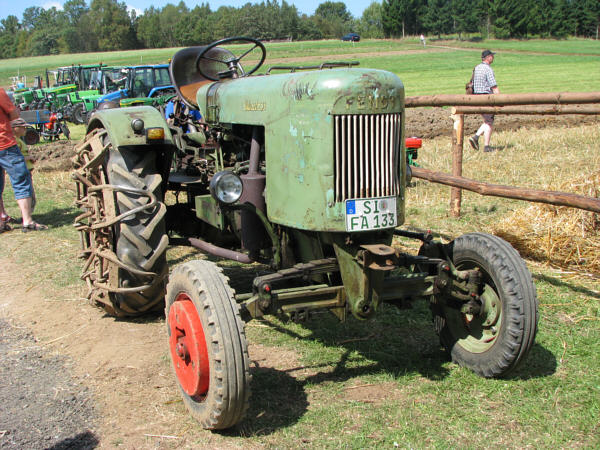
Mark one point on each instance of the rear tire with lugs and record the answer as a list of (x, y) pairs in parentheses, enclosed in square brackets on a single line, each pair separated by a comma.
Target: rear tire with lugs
[(127, 268), (141, 239)]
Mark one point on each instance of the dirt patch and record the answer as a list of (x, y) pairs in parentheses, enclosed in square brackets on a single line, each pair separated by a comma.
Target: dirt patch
[(124, 363), (428, 123), (53, 155), (43, 406), (372, 393)]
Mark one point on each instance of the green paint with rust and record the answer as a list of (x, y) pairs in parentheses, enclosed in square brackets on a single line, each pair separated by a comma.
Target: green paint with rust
[(117, 122), (297, 111), (363, 286), (208, 210)]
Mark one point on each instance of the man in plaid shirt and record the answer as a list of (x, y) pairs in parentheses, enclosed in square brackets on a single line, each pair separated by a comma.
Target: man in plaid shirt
[(484, 82)]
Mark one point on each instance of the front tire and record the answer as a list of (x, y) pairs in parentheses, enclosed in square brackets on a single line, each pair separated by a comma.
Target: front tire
[(207, 344), (494, 342)]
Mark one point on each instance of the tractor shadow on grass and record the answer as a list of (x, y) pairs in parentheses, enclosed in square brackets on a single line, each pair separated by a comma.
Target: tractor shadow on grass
[(557, 282), (397, 343), (277, 401), (56, 218)]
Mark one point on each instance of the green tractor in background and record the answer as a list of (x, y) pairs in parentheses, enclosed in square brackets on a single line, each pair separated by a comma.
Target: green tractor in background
[(48, 98), (141, 85), (71, 85), (302, 169), (103, 80)]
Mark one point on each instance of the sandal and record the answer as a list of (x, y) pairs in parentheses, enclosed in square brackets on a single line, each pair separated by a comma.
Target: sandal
[(7, 219), (33, 227), (4, 226)]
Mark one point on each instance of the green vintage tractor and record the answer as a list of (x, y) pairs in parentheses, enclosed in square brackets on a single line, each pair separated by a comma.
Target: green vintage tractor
[(302, 169)]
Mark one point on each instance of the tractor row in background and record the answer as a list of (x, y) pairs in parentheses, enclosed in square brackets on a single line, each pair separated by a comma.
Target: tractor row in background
[(77, 91)]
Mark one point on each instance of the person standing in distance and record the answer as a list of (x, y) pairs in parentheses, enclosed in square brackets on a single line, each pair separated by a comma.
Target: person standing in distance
[(484, 82)]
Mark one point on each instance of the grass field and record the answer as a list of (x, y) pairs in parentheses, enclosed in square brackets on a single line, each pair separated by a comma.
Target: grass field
[(386, 383), (442, 67)]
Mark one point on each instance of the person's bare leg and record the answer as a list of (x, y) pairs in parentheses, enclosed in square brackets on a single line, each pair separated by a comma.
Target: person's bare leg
[(487, 135), (2, 210), (482, 129), (25, 207)]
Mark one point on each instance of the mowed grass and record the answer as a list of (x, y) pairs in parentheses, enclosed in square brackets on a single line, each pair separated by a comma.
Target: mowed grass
[(441, 67), (569, 46), (386, 382)]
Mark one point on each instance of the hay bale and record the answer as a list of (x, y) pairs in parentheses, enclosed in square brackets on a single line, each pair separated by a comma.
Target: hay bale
[(559, 236)]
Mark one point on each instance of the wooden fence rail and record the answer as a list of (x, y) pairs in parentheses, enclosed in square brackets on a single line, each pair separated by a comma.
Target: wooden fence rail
[(529, 109), (499, 190), (552, 103), (534, 98)]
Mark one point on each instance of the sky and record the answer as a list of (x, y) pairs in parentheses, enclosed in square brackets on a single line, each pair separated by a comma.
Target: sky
[(16, 8)]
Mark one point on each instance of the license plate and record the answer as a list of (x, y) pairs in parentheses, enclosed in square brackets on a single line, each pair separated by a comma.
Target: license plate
[(370, 214)]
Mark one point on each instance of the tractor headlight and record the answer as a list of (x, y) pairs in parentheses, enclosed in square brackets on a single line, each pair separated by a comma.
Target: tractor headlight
[(226, 187)]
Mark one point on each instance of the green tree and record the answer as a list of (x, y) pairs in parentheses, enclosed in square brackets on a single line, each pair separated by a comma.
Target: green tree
[(225, 22), (75, 32), (401, 17), (437, 17), (74, 10), (33, 18), (370, 24), (148, 29), (289, 20), (333, 19), (44, 41), (586, 15), (308, 29), (333, 10), (169, 17), (465, 16), (112, 25), (8, 32)]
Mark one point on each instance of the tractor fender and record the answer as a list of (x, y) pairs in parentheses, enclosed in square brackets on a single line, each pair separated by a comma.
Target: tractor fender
[(159, 90), (117, 122), (112, 96)]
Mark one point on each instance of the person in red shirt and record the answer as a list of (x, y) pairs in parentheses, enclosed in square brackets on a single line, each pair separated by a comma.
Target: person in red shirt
[(13, 163)]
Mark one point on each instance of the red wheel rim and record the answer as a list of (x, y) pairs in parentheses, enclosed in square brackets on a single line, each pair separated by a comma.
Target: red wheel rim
[(188, 346)]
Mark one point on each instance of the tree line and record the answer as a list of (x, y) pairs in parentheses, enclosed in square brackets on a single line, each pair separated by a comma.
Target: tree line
[(107, 25)]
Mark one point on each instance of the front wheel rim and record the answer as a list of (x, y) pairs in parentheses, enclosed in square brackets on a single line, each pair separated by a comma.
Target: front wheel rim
[(478, 333), (187, 344)]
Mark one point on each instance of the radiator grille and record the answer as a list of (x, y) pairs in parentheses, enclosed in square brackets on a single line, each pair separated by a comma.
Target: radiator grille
[(367, 155)]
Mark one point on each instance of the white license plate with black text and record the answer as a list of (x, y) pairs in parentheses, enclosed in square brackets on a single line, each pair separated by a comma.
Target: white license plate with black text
[(370, 214)]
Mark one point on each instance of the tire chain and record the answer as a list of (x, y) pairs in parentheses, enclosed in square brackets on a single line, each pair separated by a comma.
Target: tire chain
[(96, 235)]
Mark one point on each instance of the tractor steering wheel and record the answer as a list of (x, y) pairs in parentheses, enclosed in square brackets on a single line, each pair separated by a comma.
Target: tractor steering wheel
[(234, 68)]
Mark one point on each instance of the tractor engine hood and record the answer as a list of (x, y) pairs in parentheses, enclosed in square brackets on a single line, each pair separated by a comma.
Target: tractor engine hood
[(331, 136), (261, 100)]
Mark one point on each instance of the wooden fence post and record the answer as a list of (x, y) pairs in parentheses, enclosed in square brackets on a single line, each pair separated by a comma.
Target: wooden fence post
[(458, 133)]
